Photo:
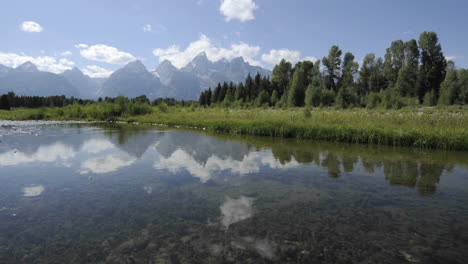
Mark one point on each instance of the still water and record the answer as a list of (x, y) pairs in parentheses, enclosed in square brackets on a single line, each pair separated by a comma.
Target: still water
[(84, 193)]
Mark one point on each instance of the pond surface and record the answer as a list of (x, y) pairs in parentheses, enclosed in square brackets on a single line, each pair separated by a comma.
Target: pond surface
[(84, 193)]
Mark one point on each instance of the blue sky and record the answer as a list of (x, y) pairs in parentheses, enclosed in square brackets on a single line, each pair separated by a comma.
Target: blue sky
[(112, 33)]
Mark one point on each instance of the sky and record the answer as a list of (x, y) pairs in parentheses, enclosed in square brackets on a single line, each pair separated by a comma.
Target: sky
[(101, 36)]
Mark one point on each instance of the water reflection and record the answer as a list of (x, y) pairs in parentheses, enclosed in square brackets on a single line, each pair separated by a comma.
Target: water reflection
[(204, 169), (106, 164), (33, 191), (236, 210), (56, 152), (112, 148), (173, 196)]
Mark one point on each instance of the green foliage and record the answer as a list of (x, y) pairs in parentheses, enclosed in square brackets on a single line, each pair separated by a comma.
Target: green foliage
[(391, 99), (163, 108), (430, 99), (327, 97), (296, 92), (281, 75), (463, 75), (345, 98), (433, 64), (409, 70), (274, 98), (4, 102), (450, 89), (373, 100), (332, 64), (263, 98), (394, 61), (350, 69)]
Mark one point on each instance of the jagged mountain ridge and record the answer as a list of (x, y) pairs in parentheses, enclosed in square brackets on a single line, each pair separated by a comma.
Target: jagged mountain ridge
[(131, 80), (207, 73), (88, 87), (26, 79)]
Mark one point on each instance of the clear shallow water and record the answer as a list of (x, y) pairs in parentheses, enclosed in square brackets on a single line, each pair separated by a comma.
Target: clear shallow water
[(80, 193)]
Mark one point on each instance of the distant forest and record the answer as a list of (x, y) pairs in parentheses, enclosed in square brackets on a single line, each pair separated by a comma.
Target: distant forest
[(11, 100), (411, 73)]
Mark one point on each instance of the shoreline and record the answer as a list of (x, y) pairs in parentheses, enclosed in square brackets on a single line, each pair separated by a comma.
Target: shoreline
[(416, 128)]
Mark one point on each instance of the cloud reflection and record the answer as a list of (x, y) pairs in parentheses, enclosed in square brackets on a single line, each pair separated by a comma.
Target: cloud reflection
[(33, 191), (51, 153), (250, 163), (106, 164), (236, 210), (94, 146)]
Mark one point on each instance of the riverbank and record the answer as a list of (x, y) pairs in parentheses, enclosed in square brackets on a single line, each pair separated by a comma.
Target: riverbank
[(437, 128)]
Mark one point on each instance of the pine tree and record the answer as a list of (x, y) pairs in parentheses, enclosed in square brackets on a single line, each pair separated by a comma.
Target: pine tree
[(333, 66), (4, 102), (296, 92), (450, 88), (394, 61), (433, 64), (313, 95), (281, 76)]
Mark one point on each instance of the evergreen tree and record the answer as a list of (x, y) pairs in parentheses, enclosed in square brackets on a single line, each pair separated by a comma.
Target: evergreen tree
[(463, 76), (345, 98), (281, 75), (450, 88), (240, 93), (263, 99), (433, 65), (350, 68), (249, 86), (313, 95), (4, 102), (368, 65), (394, 61), (333, 66), (208, 96), (327, 97), (223, 92), (216, 94), (274, 98), (202, 99), (296, 92)]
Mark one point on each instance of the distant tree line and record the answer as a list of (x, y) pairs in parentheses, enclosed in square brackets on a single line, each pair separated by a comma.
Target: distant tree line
[(411, 73), (11, 100)]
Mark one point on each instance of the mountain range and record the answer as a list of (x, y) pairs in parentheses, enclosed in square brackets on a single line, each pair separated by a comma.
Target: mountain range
[(131, 80)]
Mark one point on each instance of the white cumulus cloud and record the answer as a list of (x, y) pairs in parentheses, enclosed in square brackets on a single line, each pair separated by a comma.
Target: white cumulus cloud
[(450, 58), (66, 53), (147, 28), (238, 9), (81, 46), (293, 56), (95, 71), (104, 53), (158, 28), (31, 26), (180, 58), (43, 63)]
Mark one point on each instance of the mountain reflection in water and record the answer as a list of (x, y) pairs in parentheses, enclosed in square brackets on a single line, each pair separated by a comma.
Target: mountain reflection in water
[(124, 194)]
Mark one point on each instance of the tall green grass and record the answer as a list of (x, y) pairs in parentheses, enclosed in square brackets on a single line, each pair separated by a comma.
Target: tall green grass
[(419, 128), (104, 111), (438, 128)]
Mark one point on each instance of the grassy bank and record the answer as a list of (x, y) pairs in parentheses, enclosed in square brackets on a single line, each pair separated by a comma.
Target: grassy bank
[(439, 128)]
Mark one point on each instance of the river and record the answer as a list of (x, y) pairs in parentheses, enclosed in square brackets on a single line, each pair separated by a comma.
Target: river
[(91, 193)]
